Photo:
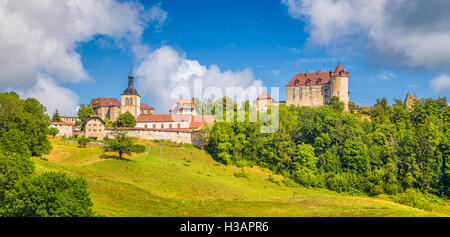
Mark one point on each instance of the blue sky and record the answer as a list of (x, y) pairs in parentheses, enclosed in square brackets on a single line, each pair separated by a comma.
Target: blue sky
[(272, 39)]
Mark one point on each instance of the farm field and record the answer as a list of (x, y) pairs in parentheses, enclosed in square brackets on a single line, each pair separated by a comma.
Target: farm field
[(181, 180)]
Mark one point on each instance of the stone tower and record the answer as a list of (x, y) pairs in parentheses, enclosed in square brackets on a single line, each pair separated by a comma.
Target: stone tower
[(339, 85), (130, 99)]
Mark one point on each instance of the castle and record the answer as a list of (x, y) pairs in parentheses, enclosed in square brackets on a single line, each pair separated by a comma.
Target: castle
[(312, 89)]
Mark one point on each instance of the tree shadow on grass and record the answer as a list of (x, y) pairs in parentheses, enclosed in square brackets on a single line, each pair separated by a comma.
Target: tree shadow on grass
[(114, 157)]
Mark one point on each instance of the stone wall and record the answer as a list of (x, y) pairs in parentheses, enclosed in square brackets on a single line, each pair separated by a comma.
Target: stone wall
[(186, 136), (65, 130)]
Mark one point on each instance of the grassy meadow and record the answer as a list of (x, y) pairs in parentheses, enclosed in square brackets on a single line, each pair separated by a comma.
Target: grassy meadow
[(181, 180)]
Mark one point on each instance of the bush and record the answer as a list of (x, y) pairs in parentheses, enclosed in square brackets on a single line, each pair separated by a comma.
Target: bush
[(414, 198), (49, 195), (83, 141)]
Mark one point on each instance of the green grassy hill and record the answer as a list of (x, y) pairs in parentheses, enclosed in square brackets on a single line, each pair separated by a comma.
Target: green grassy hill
[(181, 180)]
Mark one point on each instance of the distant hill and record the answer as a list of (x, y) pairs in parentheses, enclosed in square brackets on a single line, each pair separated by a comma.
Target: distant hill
[(181, 180)]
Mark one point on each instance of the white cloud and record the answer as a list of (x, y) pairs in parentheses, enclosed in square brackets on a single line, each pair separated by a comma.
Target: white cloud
[(412, 33), (166, 69), (53, 96), (440, 83), (41, 37)]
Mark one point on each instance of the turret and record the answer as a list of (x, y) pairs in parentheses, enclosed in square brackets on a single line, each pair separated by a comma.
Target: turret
[(339, 85)]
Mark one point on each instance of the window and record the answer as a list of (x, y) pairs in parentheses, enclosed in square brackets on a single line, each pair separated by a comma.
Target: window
[(293, 96), (154, 125), (178, 125), (325, 87), (170, 125), (162, 125), (145, 126)]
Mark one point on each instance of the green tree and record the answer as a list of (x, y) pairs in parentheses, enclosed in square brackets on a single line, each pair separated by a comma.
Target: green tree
[(108, 122), (84, 113), (83, 141), (336, 104), (50, 194), (122, 144), (53, 132), (29, 117), (56, 117), (125, 120)]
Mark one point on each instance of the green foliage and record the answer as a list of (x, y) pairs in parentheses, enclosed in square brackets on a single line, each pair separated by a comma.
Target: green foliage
[(398, 149), (122, 145), (83, 141), (125, 120), (56, 117), (49, 195), (13, 167), (53, 131), (108, 122), (28, 117), (84, 113)]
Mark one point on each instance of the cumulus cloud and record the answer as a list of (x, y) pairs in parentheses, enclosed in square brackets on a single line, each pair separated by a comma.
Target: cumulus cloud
[(40, 37), (52, 96), (413, 33), (440, 83), (166, 70)]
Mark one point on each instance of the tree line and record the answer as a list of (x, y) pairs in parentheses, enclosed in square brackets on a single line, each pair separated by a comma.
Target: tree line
[(400, 149)]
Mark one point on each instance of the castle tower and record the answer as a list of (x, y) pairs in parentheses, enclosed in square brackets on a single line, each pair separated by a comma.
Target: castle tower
[(130, 99), (339, 85)]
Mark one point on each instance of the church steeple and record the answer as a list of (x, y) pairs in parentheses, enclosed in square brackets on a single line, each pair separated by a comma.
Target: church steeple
[(130, 90)]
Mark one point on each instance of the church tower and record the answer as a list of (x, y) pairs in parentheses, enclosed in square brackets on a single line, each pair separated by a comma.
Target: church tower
[(130, 99), (339, 85)]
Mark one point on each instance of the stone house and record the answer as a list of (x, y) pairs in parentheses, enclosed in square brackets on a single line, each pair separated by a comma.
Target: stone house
[(263, 102), (95, 128), (146, 109)]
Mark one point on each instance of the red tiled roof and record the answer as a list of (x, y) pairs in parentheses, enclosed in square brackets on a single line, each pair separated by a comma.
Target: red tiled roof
[(264, 96), (316, 78), (146, 106), (198, 120), (185, 130), (162, 118), (61, 123), (104, 102)]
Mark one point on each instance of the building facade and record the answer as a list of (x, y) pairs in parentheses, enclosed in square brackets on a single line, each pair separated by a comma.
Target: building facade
[(317, 88), (106, 108), (263, 102), (146, 109), (95, 128), (184, 106)]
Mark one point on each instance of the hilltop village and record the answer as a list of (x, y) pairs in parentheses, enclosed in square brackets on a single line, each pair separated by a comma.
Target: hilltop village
[(182, 124)]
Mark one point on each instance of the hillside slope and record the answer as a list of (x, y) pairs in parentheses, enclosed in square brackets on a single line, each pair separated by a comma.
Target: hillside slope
[(181, 180)]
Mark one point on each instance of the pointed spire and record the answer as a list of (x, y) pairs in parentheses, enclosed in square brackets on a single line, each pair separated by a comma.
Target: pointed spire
[(338, 68), (131, 71)]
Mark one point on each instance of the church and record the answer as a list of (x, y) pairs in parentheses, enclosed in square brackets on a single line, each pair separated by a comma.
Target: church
[(130, 101)]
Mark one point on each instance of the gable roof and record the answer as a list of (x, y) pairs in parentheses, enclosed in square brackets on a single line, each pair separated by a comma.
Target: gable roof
[(264, 96), (146, 106), (144, 118), (198, 120), (104, 102), (316, 78)]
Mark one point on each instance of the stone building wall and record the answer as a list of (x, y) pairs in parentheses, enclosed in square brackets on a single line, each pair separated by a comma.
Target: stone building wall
[(340, 89), (134, 108), (95, 128), (112, 112), (182, 124), (263, 105), (308, 95), (65, 129)]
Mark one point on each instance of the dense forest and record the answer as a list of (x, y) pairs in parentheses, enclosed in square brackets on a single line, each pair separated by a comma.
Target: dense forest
[(396, 150)]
